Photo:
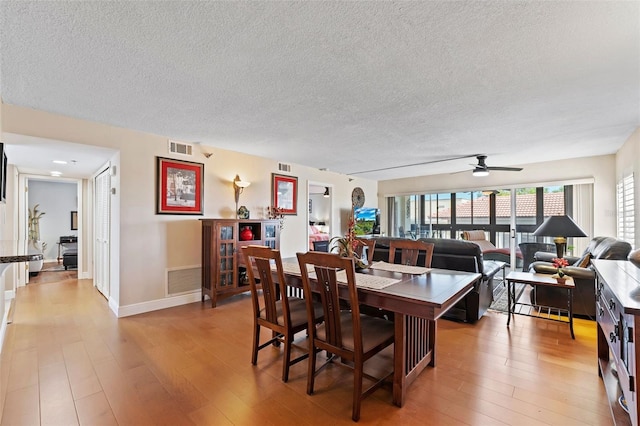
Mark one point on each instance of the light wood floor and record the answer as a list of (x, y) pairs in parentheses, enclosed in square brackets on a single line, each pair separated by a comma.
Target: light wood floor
[(67, 360)]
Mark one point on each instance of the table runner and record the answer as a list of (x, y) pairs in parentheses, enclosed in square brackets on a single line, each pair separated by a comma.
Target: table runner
[(368, 281), (405, 269)]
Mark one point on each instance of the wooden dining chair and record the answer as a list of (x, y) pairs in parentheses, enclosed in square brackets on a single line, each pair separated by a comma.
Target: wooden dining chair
[(410, 252), (273, 307), (348, 335), (370, 244)]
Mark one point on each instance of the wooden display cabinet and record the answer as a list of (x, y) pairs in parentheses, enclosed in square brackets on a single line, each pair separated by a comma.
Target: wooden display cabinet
[(223, 271)]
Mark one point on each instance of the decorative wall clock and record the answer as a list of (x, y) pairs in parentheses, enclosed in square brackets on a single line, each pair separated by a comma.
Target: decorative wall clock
[(357, 197)]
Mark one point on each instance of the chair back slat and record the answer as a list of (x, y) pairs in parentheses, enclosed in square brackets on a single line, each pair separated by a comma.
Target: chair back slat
[(270, 293), (327, 286), (259, 259), (410, 251)]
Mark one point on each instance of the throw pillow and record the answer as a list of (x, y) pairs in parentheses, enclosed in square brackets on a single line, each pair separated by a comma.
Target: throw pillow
[(584, 261)]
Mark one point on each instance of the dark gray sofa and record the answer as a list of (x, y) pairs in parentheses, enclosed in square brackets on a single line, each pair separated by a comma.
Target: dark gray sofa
[(457, 255)]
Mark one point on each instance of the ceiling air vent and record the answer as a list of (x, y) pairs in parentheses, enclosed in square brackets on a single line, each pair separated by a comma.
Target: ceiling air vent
[(176, 147), (284, 167)]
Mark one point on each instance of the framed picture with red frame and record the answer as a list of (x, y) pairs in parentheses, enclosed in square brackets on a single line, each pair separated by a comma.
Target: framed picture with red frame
[(179, 186), (284, 193)]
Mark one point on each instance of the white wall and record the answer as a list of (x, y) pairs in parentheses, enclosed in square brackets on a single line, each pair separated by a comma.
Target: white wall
[(321, 208), (57, 200), (600, 169), (628, 161), (145, 244)]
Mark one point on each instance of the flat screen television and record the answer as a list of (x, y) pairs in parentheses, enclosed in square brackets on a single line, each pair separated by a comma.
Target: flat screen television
[(367, 220)]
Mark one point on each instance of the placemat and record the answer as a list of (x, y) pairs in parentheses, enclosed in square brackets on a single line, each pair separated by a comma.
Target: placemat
[(293, 268), (405, 269), (368, 281)]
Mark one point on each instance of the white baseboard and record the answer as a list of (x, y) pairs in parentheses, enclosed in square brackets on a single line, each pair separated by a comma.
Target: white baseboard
[(9, 294), (154, 305), (5, 321)]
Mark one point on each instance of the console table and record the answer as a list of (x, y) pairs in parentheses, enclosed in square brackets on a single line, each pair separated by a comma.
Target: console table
[(72, 240), (618, 330)]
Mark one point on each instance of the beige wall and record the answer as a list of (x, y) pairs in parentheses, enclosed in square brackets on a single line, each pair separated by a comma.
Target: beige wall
[(599, 169), (628, 161), (144, 244)]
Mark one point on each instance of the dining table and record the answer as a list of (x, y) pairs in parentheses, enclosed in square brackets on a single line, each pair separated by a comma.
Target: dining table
[(417, 296)]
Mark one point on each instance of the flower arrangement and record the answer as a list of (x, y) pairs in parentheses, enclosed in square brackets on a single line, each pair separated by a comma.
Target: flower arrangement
[(559, 263), (348, 245), (276, 213)]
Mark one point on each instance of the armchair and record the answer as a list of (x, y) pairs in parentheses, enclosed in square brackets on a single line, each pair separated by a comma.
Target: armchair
[(582, 272)]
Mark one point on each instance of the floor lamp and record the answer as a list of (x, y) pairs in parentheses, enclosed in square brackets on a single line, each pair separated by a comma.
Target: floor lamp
[(559, 227)]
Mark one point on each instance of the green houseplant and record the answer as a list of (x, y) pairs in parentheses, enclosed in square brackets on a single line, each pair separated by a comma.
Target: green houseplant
[(349, 245)]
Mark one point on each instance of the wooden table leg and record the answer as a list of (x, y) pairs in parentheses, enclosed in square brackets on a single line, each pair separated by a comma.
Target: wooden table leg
[(414, 349)]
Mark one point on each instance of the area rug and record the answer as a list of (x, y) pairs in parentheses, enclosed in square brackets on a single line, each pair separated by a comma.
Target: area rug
[(52, 268), (500, 298)]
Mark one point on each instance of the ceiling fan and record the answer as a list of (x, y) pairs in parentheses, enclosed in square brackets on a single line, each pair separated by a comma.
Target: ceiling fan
[(481, 169)]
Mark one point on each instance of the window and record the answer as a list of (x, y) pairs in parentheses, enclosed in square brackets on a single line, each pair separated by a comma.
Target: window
[(447, 215), (625, 201)]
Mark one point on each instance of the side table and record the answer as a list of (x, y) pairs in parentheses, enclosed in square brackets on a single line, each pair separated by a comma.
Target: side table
[(535, 279)]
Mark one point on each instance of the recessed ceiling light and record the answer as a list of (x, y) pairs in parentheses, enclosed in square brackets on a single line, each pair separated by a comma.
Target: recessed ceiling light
[(59, 162), (54, 173)]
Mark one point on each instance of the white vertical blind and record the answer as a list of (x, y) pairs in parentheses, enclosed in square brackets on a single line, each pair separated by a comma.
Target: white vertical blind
[(583, 215), (626, 209)]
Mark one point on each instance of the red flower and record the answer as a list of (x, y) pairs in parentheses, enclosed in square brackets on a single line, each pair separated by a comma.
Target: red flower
[(559, 262)]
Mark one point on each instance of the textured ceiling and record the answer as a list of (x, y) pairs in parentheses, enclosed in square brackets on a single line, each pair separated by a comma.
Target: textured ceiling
[(346, 86)]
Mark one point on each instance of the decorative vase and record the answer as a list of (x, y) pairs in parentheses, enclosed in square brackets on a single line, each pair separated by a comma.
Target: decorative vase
[(561, 280), (246, 234), (360, 265)]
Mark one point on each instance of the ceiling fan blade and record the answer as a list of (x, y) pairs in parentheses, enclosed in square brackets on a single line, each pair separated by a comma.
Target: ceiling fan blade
[(414, 164), (505, 169)]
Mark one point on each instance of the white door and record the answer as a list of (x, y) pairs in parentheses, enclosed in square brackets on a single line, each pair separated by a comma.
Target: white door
[(102, 187)]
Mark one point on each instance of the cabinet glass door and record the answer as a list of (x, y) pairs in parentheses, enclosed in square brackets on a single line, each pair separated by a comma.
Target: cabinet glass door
[(226, 266), (270, 235)]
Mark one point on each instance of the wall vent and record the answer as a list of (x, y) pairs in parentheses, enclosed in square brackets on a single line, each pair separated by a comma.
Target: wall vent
[(183, 280), (284, 167), (176, 147)]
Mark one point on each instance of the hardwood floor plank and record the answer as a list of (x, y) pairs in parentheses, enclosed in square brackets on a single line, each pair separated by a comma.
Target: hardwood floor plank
[(22, 407), (82, 376), (24, 370), (56, 401), (94, 410), (123, 398)]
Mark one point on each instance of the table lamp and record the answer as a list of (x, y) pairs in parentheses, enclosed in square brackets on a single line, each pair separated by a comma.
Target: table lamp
[(559, 227)]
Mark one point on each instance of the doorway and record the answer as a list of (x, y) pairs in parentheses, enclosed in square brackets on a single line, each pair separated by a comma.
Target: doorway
[(319, 215), (54, 206)]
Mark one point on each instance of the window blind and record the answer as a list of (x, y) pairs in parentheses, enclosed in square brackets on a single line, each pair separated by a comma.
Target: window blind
[(626, 216)]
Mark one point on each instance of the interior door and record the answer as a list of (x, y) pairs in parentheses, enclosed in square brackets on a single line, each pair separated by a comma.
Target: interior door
[(102, 188)]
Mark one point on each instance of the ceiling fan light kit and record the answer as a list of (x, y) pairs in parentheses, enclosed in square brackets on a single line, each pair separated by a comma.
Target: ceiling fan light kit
[(481, 169)]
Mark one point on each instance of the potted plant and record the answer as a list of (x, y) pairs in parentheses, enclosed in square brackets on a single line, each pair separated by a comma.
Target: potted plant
[(35, 245), (349, 246)]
